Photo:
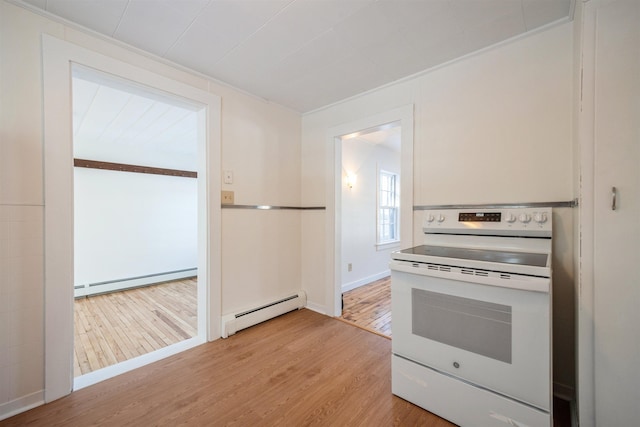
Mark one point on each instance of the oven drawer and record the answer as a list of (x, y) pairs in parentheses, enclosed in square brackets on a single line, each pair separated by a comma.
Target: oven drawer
[(471, 407)]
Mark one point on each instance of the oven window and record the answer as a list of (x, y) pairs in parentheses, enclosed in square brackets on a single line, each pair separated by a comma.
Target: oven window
[(478, 326)]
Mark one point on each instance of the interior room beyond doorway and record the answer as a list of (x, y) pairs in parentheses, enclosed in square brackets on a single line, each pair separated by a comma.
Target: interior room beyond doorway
[(370, 220), (135, 221)]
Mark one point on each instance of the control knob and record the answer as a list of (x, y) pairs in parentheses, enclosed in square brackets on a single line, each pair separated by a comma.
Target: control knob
[(509, 217), (540, 217), (430, 218), (524, 218), (440, 218)]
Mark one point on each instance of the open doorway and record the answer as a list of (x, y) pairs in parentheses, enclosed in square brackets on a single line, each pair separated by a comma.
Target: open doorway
[(135, 220), (59, 58), (371, 163), (337, 138)]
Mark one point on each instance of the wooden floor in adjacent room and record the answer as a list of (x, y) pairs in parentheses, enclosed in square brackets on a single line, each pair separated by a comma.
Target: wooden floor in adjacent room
[(299, 369), (369, 306), (119, 326)]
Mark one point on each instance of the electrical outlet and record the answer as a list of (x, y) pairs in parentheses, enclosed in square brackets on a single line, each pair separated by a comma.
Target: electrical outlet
[(227, 197), (349, 267)]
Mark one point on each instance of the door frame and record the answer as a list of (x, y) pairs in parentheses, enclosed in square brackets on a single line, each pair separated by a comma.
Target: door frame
[(58, 57), (333, 233), (593, 203), (585, 364)]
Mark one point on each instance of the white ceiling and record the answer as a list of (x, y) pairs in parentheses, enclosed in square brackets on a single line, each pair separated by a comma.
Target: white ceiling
[(306, 54), (120, 123)]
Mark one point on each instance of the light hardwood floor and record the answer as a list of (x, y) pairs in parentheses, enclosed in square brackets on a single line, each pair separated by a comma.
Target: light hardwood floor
[(369, 306), (299, 369), (119, 326)]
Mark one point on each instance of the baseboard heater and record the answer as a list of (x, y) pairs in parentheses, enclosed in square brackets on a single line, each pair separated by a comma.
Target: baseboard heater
[(233, 323), (87, 289)]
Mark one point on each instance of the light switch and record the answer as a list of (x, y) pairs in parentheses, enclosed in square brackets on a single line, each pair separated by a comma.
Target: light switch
[(228, 177)]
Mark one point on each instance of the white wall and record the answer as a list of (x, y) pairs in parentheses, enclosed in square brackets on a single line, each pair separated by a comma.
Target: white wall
[(359, 208), (131, 224), (495, 127), (260, 143), (261, 248)]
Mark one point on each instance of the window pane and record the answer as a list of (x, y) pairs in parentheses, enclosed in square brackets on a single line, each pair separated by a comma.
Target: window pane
[(387, 227)]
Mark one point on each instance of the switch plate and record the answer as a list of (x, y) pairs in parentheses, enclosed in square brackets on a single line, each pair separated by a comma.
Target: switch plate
[(227, 197), (228, 177)]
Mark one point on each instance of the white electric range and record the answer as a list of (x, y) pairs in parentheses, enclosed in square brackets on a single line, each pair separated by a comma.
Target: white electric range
[(472, 317)]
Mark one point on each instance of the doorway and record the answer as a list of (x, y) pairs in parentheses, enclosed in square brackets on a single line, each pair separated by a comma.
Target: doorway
[(338, 138), (371, 162), (58, 59), (135, 220)]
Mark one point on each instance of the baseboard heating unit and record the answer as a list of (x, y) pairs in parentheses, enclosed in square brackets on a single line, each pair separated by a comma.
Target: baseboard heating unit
[(233, 323)]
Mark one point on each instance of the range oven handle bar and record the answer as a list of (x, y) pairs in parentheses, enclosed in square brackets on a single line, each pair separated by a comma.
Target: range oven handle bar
[(503, 280)]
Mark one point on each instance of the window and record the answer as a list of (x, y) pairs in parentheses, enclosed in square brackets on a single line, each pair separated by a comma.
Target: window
[(388, 202)]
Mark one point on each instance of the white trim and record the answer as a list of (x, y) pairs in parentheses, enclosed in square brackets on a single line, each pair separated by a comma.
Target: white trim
[(585, 362), (58, 56), (316, 307), (387, 245), (333, 231), (128, 365), (22, 404), (353, 285)]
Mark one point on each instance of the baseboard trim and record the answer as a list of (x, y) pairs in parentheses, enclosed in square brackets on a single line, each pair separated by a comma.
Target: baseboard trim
[(365, 281), (22, 404), (99, 375), (317, 308)]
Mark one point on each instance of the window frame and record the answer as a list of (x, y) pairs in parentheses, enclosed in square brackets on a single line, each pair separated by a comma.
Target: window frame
[(392, 224)]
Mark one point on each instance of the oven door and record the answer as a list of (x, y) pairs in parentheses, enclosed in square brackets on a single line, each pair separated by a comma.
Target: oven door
[(490, 335)]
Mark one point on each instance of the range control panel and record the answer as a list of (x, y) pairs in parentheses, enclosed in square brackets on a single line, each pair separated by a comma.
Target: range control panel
[(503, 221), (480, 216)]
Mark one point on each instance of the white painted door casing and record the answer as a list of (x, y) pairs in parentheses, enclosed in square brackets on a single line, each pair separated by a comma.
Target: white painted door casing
[(608, 390)]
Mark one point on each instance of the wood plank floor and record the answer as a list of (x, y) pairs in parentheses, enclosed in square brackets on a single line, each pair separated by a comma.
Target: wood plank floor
[(300, 369), (119, 326), (369, 306)]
